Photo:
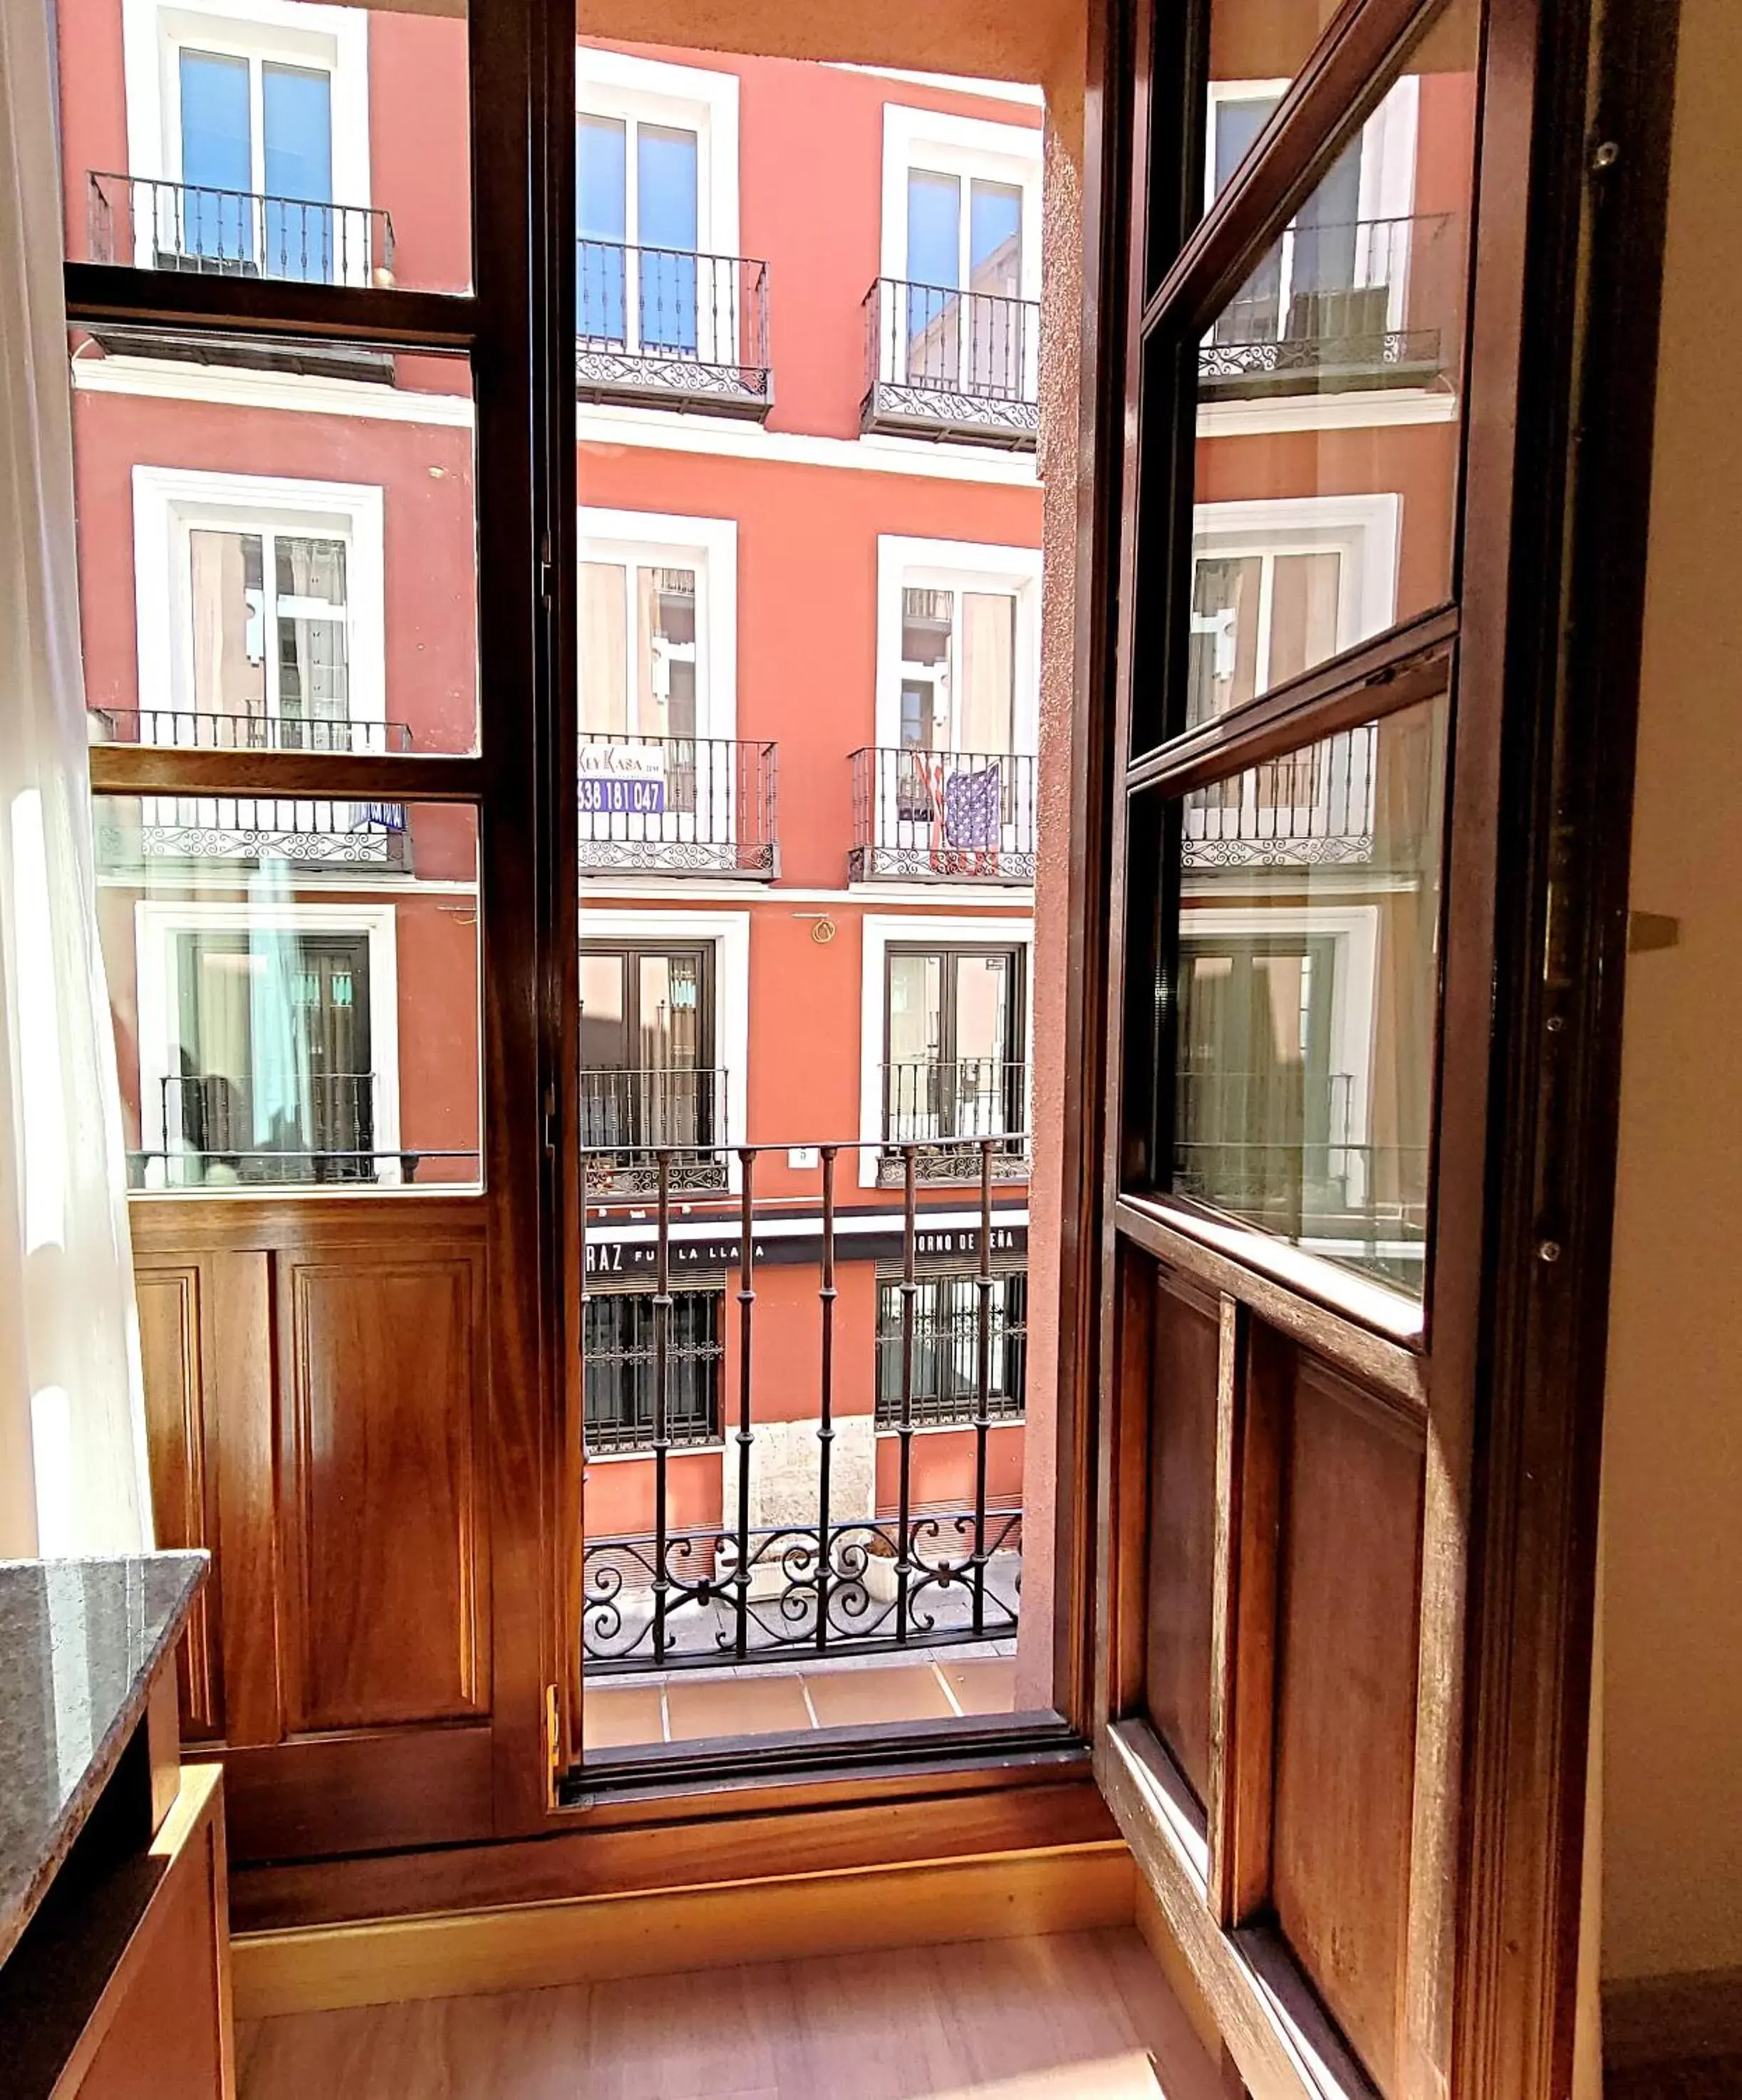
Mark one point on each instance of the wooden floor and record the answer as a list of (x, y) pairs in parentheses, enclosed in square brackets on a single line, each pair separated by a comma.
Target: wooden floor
[(1082, 2016)]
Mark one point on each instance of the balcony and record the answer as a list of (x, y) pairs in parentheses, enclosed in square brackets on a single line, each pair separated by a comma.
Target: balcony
[(1314, 806), (1348, 334), (942, 816), (961, 367), (628, 1120), (819, 1552), (251, 827), (217, 1132), (154, 225), (679, 806), (955, 1118), (664, 327)]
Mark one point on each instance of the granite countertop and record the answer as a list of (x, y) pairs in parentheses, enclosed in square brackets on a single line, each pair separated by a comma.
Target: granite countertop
[(79, 1643)]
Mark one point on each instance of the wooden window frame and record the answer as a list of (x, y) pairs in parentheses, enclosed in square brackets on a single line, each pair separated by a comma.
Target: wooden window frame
[(1503, 1372)]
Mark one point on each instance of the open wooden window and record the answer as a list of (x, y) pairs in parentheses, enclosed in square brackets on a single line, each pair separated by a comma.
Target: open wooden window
[(1343, 1487)]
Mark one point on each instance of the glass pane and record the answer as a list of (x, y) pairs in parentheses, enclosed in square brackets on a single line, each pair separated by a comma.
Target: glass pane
[(666, 229), (987, 725), (933, 229), (256, 575), (604, 649), (995, 239), (318, 143), (1330, 399), (601, 227), (915, 1008), (1307, 989), (1256, 48), (604, 1012), (665, 662), (295, 988)]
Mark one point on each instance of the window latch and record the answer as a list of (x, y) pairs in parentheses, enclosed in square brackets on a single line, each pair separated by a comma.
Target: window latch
[(548, 1117)]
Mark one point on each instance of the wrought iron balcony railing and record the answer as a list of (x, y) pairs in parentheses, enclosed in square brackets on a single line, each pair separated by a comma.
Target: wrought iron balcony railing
[(313, 832), (838, 1569), (1335, 308), (629, 1119), (1314, 805), (950, 365), (157, 225), (680, 805), (191, 729), (942, 816), (664, 325), (1293, 1150), (216, 1132), (962, 1113)]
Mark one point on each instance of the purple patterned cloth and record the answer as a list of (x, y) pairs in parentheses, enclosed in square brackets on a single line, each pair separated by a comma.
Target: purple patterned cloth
[(971, 810)]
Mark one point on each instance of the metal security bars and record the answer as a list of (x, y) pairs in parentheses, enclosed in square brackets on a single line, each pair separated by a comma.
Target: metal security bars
[(1330, 306), (621, 1361), (950, 365), (680, 805), (154, 225), (942, 1374), (942, 816), (810, 1557), (664, 324)]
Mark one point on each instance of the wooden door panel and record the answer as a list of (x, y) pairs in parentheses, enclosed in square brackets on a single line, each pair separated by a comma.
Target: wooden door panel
[(382, 1510), (182, 1481), (1181, 1565), (1350, 1553)]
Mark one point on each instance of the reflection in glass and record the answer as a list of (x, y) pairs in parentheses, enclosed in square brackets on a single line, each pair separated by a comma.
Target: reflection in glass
[(295, 990), (1307, 993), (1329, 386)]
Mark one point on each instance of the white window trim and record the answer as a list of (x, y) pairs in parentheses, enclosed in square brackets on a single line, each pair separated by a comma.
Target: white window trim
[(297, 31), (1354, 930), (1364, 530), (156, 923), (615, 84), (168, 502), (1388, 158), (968, 146), (710, 545), (958, 565), (880, 932), (729, 934)]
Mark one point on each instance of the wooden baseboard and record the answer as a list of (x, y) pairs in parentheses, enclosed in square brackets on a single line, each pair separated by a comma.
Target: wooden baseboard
[(532, 1946), (1672, 2019)]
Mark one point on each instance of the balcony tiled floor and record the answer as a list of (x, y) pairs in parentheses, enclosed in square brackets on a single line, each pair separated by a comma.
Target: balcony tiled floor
[(687, 1707)]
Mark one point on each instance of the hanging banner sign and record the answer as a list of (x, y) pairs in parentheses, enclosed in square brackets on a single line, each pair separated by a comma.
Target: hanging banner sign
[(622, 779)]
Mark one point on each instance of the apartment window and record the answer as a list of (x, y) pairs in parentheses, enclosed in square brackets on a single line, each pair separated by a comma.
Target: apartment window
[(657, 644), (259, 124), (953, 1067), (1339, 270), (649, 1077), (655, 197), (1278, 587), (958, 637), (621, 1361), (260, 614), (945, 1359)]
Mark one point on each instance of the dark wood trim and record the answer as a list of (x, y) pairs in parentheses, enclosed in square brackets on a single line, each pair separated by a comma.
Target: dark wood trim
[(1403, 668), (172, 1223), (1172, 1232), (1585, 421), (1339, 84), (103, 294), (1269, 2018), (151, 769), (884, 1820), (658, 1771), (1115, 75)]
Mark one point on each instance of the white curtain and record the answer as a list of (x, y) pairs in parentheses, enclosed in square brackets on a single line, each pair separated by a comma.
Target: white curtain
[(73, 1466)]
